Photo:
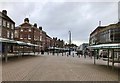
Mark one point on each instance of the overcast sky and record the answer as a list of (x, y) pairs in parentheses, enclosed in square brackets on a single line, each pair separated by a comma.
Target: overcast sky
[(57, 18)]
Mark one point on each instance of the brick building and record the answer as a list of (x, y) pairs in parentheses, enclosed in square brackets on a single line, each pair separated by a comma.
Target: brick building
[(57, 43), (29, 33), (48, 41), (7, 26), (26, 32)]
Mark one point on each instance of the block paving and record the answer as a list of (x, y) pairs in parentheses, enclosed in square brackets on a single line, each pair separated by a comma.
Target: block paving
[(57, 68)]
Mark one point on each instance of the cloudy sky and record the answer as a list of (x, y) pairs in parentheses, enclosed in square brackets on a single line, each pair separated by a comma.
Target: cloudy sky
[(57, 18)]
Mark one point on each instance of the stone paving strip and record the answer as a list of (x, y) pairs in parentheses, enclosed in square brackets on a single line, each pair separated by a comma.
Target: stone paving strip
[(56, 68)]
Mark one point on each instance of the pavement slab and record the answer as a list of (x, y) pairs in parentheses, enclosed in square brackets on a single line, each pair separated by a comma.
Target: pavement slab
[(56, 68)]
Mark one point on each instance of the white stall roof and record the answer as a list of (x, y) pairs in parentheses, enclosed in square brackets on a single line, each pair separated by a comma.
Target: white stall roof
[(4, 40), (21, 43), (29, 44), (105, 46)]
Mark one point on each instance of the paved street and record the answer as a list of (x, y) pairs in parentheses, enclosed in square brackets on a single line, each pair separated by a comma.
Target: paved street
[(56, 68)]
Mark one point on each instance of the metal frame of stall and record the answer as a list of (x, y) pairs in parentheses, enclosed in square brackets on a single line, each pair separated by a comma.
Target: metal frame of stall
[(63, 50), (108, 47), (8, 42)]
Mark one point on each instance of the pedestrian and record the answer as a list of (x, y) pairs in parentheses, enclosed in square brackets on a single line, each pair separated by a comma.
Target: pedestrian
[(79, 55), (62, 53), (67, 55), (42, 52), (73, 54)]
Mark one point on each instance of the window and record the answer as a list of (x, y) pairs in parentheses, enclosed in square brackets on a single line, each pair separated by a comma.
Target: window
[(21, 30), (0, 32), (25, 30), (0, 21), (4, 23), (12, 26), (25, 35), (16, 34), (8, 33), (29, 30), (8, 24), (12, 35), (21, 36), (34, 38), (40, 38), (29, 36)]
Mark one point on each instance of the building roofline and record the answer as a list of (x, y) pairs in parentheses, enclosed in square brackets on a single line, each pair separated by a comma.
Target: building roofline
[(99, 27), (6, 17)]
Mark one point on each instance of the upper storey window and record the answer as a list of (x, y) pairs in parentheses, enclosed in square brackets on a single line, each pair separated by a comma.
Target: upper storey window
[(4, 23), (8, 24), (0, 21)]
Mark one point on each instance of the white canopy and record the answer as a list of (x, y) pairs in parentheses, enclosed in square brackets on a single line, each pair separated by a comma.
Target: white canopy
[(105, 46), (4, 40)]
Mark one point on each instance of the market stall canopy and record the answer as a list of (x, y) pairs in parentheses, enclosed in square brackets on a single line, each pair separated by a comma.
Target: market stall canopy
[(55, 48), (4, 40), (29, 44), (21, 43), (105, 46)]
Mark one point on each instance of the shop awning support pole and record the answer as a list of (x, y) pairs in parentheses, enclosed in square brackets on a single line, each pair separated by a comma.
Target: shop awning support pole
[(108, 59), (113, 59)]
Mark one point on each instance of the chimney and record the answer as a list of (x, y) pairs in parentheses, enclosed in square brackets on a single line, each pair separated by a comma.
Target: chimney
[(56, 38), (99, 23), (59, 40), (26, 20), (35, 25), (4, 12), (40, 28)]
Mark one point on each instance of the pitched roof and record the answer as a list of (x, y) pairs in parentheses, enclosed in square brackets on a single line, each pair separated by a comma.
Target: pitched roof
[(6, 17), (26, 23)]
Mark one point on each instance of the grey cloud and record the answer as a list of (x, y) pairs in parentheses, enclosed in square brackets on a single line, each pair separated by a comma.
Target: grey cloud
[(57, 18)]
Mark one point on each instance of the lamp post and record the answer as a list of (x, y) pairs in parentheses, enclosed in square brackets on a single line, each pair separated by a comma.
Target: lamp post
[(69, 42)]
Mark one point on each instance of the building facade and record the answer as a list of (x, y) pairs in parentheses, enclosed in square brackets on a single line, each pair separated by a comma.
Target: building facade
[(7, 26), (105, 34), (26, 32), (57, 43), (29, 33)]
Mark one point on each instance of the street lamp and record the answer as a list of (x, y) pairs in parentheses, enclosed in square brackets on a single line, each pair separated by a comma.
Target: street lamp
[(69, 42)]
